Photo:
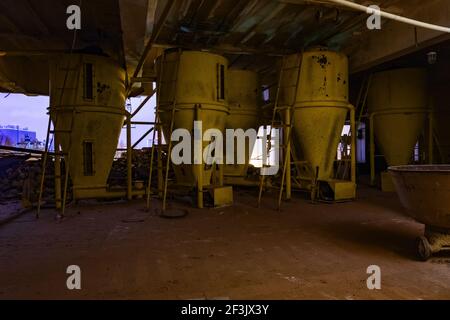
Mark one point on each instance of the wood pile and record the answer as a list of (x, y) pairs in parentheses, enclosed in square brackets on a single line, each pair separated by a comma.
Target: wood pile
[(20, 177)]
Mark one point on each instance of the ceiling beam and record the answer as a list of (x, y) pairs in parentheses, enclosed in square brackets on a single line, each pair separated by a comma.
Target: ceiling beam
[(231, 49), (322, 3), (252, 31), (37, 19), (154, 36), (396, 39), (151, 16)]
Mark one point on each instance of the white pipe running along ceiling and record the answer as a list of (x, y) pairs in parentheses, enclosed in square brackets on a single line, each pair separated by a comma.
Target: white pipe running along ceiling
[(391, 16)]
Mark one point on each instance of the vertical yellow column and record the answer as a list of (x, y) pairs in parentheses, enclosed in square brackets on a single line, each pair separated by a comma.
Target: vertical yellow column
[(200, 187), (58, 200), (287, 141), (160, 162), (215, 174), (199, 166), (372, 152), (129, 159), (221, 175), (430, 139), (353, 146)]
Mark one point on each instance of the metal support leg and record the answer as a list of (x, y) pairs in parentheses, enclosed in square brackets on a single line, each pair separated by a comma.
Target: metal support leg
[(287, 140), (430, 139), (372, 153), (129, 160), (200, 186), (44, 167), (199, 166), (58, 200), (160, 163), (66, 183), (353, 146), (221, 175)]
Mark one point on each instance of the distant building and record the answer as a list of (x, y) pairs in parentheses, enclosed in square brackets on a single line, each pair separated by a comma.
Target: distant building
[(14, 136)]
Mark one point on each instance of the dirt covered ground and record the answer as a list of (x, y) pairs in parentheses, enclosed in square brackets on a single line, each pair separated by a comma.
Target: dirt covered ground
[(306, 251)]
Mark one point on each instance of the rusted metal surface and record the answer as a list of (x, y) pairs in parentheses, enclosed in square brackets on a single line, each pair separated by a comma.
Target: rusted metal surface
[(425, 193)]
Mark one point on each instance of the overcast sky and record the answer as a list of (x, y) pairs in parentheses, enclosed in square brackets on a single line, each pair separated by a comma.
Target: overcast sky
[(31, 112)]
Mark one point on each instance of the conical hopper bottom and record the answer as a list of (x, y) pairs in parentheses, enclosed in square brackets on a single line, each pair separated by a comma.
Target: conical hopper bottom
[(98, 131), (442, 132), (242, 121), (397, 134), (397, 101), (441, 119), (187, 174), (87, 129), (317, 132)]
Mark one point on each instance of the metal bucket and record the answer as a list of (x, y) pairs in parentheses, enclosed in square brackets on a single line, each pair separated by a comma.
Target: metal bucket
[(425, 193)]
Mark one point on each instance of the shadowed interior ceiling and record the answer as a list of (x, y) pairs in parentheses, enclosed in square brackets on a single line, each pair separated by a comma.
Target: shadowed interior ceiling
[(252, 34)]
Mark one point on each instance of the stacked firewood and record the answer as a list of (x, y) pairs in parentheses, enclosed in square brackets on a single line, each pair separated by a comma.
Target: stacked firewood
[(140, 167), (20, 177)]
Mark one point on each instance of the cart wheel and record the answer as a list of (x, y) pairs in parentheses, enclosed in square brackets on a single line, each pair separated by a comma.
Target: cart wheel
[(423, 248)]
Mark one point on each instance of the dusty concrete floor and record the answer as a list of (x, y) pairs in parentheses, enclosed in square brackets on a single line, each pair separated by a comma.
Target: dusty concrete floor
[(305, 252)]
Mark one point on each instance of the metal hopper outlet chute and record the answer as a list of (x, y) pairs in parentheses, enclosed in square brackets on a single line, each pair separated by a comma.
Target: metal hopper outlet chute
[(87, 108), (192, 88), (398, 107), (244, 99), (320, 112), (313, 106)]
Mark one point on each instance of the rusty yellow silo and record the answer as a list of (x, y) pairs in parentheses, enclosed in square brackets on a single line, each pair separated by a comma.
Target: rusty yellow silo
[(194, 83), (321, 106), (441, 119), (442, 131), (398, 107), (244, 98), (87, 107)]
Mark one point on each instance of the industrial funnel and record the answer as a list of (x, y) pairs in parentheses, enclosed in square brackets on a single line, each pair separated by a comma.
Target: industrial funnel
[(398, 105), (441, 120), (195, 84), (320, 109), (87, 107), (243, 97)]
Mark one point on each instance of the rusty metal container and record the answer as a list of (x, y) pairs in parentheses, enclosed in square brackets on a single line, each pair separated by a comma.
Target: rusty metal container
[(315, 84), (441, 119), (196, 81), (425, 193), (87, 106), (397, 101), (243, 98), (321, 106)]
